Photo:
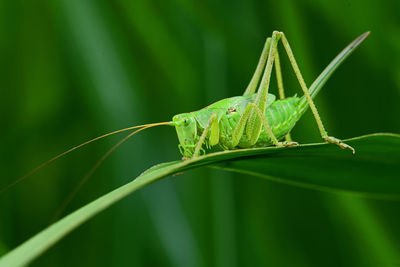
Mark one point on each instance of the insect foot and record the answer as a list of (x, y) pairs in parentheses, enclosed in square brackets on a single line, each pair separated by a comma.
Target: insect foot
[(287, 144), (334, 140), (290, 143)]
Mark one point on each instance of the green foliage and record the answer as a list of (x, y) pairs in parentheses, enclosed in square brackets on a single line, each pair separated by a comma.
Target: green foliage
[(320, 166)]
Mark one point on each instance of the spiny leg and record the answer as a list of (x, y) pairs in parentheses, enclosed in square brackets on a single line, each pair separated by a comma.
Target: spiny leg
[(243, 121), (269, 130), (281, 89), (239, 129), (296, 70), (253, 129), (251, 88), (279, 79), (214, 135)]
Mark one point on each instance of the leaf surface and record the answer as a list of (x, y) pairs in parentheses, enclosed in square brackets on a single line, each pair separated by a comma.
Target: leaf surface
[(372, 171)]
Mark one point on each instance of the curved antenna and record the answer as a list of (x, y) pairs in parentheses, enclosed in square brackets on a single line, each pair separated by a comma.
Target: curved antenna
[(89, 174), (44, 164)]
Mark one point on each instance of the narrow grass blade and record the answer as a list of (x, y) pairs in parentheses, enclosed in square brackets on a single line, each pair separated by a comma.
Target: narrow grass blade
[(372, 172)]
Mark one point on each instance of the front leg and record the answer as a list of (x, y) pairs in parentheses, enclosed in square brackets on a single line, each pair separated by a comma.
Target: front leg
[(212, 126)]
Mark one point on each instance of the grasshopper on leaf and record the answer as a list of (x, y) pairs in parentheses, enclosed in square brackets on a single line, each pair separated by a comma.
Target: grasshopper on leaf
[(257, 119)]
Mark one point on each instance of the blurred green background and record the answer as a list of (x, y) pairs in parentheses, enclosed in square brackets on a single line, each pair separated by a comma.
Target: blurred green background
[(73, 70)]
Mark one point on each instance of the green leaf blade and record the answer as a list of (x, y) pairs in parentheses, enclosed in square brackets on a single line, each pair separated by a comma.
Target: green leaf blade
[(372, 171)]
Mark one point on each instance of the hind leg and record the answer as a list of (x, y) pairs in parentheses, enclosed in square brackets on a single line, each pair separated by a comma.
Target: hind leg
[(281, 89), (244, 122), (323, 132), (251, 88)]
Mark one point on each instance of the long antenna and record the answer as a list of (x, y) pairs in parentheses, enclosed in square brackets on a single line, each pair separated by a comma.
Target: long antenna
[(89, 174), (44, 164)]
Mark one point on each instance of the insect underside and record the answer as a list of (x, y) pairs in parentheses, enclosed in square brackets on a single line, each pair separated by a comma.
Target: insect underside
[(257, 119)]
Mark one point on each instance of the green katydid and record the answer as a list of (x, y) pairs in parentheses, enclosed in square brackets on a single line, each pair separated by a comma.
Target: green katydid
[(252, 120), (257, 119)]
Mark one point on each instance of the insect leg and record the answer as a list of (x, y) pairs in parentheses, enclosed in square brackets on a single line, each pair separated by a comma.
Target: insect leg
[(212, 126), (281, 89), (253, 128), (251, 88), (279, 76), (239, 129), (269, 130), (296, 70), (265, 123)]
